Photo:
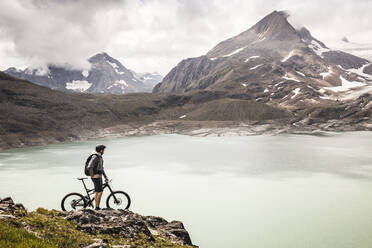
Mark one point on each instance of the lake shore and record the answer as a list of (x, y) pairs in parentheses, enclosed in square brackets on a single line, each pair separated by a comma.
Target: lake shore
[(191, 128)]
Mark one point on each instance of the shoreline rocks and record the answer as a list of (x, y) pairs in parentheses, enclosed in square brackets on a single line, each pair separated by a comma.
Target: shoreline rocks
[(207, 129)]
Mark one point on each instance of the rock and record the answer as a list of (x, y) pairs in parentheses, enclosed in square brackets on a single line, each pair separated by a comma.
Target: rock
[(127, 224), (6, 216), (114, 223), (99, 243), (7, 200)]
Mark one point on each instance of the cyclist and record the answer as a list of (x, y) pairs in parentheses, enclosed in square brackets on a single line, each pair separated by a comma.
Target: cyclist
[(96, 171)]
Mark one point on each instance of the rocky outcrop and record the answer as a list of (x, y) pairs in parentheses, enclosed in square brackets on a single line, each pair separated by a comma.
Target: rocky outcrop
[(345, 60), (368, 69), (127, 224), (96, 229)]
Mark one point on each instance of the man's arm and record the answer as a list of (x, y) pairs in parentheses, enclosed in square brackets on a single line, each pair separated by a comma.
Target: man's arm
[(104, 174), (103, 170)]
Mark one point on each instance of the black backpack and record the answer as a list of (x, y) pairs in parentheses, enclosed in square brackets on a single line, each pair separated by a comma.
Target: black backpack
[(88, 164)]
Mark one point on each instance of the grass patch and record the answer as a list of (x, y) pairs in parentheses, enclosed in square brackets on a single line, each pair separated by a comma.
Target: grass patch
[(52, 227), (12, 236)]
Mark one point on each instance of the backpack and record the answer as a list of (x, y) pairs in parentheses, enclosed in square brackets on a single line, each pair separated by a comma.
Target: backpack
[(88, 164)]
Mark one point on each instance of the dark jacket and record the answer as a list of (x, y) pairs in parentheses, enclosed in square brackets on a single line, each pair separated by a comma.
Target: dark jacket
[(96, 166)]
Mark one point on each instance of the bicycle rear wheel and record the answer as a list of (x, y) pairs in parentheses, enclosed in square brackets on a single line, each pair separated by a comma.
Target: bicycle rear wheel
[(73, 201), (118, 200)]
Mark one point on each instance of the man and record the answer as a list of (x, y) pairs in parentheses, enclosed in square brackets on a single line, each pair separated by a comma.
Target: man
[(96, 171)]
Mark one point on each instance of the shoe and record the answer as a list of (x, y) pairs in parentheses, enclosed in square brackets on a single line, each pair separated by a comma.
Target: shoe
[(98, 208)]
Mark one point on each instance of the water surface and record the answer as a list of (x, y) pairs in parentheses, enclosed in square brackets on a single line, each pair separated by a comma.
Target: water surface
[(286, 191)]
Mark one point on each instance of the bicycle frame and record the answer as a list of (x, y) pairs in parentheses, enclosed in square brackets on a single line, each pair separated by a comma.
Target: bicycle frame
[(90, 192)]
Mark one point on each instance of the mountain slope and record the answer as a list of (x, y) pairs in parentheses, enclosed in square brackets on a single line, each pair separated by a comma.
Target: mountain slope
[(35, 115), (271, 62), (32, 114), (360, 50), (106, 76)]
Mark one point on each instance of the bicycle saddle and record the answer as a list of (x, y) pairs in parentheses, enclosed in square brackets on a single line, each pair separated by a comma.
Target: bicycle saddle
[(82, 178)]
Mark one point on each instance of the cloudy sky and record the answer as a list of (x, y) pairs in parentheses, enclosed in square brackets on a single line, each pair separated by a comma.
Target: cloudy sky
[(154, 35)]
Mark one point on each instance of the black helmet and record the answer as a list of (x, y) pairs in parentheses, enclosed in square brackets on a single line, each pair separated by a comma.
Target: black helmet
[(100, 148)]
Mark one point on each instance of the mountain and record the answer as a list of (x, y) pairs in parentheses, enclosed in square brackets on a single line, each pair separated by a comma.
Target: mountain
[(106, 76), (150, 78), (357, 49), (36, 115), (272, 62), (31, 114)]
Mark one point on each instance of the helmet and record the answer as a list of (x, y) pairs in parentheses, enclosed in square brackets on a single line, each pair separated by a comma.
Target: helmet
[(100, 148)]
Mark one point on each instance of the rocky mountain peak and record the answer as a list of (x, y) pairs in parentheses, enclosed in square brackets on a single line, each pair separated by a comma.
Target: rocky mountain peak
[(105, 58), (275, 26), (270, 31), (306, 36)]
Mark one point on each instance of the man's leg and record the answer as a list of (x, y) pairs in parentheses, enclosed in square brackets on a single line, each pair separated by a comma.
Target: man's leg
[(97, 198)]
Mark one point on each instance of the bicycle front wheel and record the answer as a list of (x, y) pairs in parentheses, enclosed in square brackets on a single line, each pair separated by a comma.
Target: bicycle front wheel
[(118, 200), (73, 201)]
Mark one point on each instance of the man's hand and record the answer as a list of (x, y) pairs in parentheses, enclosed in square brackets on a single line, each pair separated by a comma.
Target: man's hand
[(106, 179)]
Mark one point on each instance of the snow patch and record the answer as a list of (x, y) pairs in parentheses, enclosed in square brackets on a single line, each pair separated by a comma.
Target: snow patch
[(357, 93), (255, 67), (85, 73), (345, 85), (360, 72), (296, 92), (290, 78), (266, 90), (244, 85), (289, 55), (279, 83), (116, 67), (300, 73), (326, 74), (183, 116), (235, 52), (122, 82), (252, 57), (78, 85)]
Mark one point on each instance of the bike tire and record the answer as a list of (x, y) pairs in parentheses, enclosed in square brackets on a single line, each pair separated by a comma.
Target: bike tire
[(79, 197), (121, 196)]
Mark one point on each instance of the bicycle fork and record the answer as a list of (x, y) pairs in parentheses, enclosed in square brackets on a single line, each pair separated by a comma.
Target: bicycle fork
[(115, 199)]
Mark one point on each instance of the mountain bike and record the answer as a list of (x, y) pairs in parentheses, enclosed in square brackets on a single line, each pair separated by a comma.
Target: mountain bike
[(76, 201)]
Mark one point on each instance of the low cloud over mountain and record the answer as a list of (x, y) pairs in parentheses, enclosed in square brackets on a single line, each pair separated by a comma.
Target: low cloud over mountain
[(153, 35)]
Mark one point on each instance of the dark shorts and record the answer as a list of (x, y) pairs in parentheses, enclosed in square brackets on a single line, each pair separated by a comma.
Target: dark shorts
[(97, 184)]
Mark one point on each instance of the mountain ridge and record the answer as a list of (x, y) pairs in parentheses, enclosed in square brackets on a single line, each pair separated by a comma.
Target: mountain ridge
[(106, 76), (261, 58)]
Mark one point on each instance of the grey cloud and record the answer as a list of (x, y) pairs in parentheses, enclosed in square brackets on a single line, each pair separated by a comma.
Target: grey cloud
[(154, 35), (59, 32)]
